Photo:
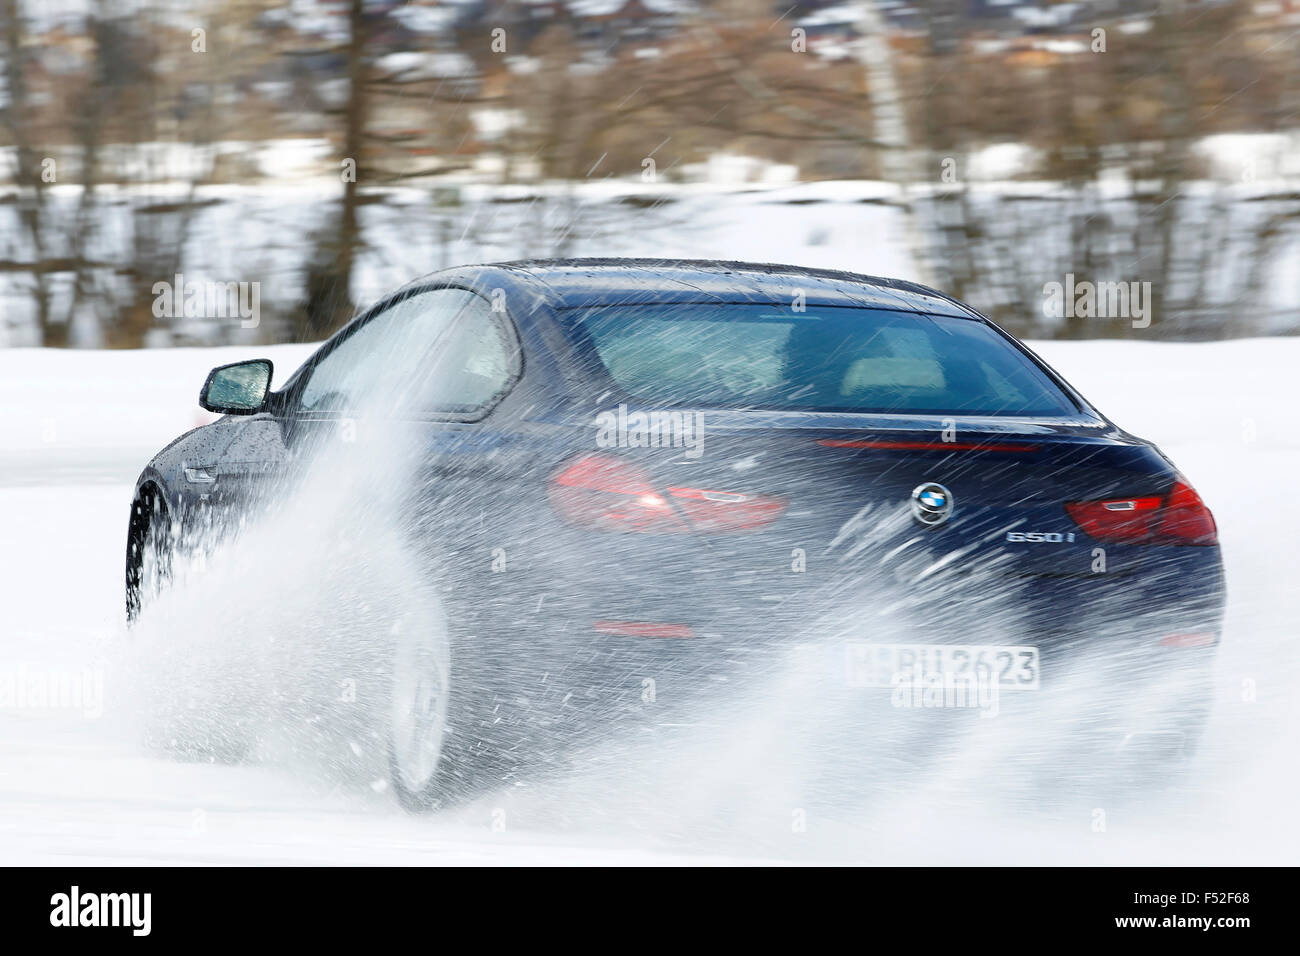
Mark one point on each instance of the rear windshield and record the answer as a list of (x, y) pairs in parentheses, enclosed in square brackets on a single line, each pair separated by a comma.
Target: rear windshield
[(821, 359)]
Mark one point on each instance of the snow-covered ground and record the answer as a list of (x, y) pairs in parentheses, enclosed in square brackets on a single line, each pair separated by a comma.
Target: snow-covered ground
[(76, 786)]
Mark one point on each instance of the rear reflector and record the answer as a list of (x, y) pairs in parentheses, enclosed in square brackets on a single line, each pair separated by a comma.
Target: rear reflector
[(925, 445), (610, 494), (643, 629), (1177, 518), (1190, 639)]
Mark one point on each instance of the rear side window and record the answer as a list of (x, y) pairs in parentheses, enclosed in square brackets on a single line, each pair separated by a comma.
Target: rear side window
[(823, 359)]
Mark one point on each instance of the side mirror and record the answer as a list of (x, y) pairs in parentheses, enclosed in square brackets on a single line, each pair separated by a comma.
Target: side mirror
[(237, 389)]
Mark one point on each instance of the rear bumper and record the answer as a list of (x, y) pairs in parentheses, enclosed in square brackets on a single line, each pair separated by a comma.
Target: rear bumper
[(1107, 668), (784, 595)]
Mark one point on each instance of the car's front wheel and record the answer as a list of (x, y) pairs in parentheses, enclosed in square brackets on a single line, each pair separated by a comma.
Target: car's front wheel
[(149, 552)]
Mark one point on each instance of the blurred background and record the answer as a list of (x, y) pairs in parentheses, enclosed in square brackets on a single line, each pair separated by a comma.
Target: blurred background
[(251, 171)]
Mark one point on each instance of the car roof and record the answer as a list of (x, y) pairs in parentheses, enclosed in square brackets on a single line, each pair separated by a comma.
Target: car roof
[(581, 283)]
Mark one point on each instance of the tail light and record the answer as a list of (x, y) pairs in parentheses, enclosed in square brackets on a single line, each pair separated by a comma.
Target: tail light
[(1190, 639), (643, 629), (927, 445), (1187, 519), (1179, 517), (610, 494)]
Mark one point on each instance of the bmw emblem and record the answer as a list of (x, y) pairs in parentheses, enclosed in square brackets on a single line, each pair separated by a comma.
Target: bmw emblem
[(931, 503)]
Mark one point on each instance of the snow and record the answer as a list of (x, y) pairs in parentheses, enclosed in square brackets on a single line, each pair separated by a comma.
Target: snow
[(1265, 158), (1056, 16), (53, 402), (75, 427), (423, 19), (412, 66)]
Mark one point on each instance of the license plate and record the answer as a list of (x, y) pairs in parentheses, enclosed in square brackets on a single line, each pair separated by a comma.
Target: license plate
[(1013, 667)]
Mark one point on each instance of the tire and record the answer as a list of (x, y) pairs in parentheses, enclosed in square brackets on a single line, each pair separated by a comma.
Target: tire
[(439, 712), (149, 552), (419, 704), (457, 726)]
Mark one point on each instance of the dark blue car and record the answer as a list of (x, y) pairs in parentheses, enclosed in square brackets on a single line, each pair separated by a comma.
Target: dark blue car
[(687, 470)]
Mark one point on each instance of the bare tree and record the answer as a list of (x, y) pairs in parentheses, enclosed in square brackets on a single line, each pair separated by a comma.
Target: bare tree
[(28, 176)]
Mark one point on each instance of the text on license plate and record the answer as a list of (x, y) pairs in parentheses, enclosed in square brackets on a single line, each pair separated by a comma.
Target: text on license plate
[(1012, 666)]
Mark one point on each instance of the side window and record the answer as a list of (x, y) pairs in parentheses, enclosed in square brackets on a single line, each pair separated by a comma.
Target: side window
[(470, 363), (346, 378), (437, 352)]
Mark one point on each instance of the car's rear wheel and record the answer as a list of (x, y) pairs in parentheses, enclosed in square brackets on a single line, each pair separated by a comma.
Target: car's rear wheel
[(417, 720)]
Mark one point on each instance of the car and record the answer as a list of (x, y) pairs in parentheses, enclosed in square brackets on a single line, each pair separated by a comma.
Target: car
[(639, 485)]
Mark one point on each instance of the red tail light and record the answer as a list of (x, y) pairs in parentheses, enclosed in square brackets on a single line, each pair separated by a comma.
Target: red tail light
[(1190, 639), (643, 629), (720, 511), (1187, 520), (1177, 518), (607, 493), (926, 445)]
